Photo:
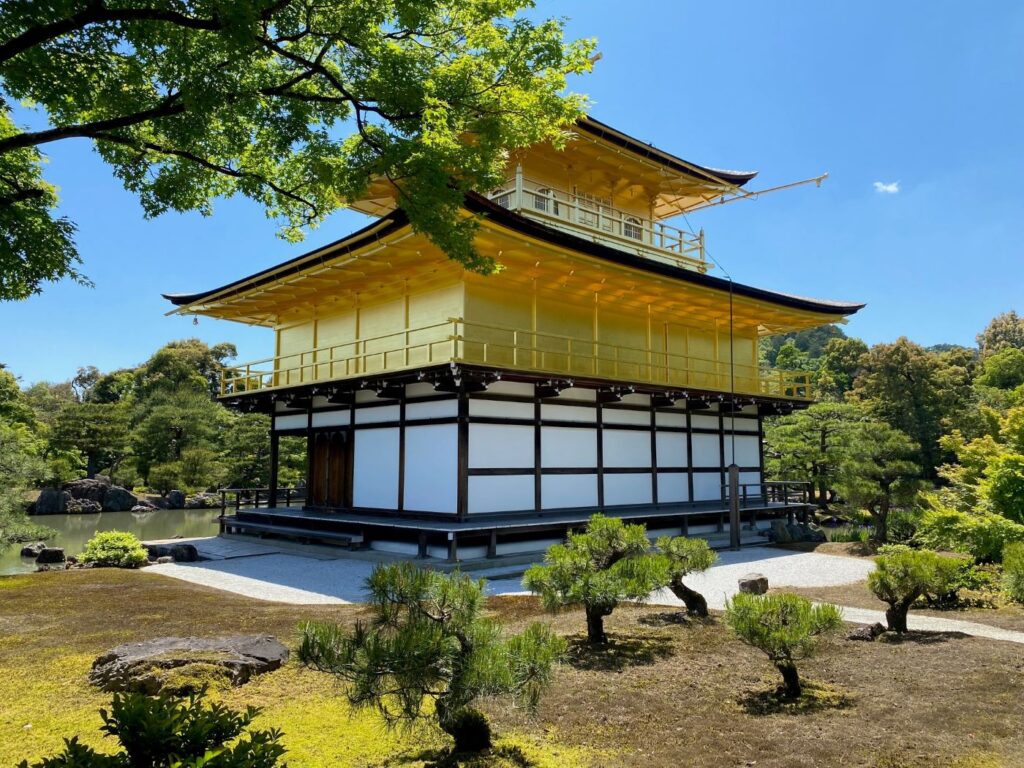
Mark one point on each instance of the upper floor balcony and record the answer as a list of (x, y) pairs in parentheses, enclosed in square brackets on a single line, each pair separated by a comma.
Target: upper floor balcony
[(461, 341), (593, 217)]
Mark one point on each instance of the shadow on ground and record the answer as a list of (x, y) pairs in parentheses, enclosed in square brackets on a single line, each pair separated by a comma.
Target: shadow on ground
[(619, 653), (921, 637), (675, 619), (816, 697), (498, 757)]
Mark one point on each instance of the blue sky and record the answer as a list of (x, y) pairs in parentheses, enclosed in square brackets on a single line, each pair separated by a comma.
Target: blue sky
[(926, 96)]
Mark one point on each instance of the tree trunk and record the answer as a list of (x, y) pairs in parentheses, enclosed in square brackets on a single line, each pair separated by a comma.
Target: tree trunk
[(468, 728), (896, 615), (695, 603), (881, 525), (791, 688), (595, 626), (90, 465)]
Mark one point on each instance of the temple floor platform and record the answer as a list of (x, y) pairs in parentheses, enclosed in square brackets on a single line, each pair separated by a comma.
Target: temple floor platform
[(495, 535)]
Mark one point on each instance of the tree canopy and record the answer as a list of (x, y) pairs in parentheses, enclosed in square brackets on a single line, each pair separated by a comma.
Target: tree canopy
[(295, 104)]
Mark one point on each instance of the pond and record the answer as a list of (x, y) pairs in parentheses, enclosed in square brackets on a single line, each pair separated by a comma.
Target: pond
[(73, 531)]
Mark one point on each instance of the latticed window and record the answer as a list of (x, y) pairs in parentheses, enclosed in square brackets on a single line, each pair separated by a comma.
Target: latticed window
[(591, 206), (544, 200), (632, 227), (502, 197)]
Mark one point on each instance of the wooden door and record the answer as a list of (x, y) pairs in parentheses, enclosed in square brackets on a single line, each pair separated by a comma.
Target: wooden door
[(329, 474)]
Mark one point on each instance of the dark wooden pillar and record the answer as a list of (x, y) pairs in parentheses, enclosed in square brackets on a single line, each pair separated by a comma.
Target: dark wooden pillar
[(462, 427), (275, 441)]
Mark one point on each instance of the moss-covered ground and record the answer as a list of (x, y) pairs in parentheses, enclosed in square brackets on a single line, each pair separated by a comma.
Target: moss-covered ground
[(663, 693)]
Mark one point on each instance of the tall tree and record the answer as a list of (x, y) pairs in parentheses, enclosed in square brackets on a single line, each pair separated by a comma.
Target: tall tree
[(813, 445), (296, 104), (879, 472), (838, 367), (97, 431), (1005, 331), (915, 391)]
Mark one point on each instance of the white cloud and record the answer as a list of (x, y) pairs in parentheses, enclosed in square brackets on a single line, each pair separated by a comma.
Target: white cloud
[(890, 188)]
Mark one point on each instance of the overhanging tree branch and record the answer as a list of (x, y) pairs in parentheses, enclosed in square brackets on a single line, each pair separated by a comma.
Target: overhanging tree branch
[(226, 170), (168, 107)]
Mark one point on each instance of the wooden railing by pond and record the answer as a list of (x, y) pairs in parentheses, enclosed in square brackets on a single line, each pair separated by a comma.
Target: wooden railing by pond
[(458, 340), (253, 498)]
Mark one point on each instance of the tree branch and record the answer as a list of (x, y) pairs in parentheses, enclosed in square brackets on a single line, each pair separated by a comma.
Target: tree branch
[(226, 170), (169, 106), (97, 12)]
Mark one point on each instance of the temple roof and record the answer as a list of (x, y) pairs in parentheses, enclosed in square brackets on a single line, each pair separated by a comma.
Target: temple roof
[(714, 175), (392, 225)]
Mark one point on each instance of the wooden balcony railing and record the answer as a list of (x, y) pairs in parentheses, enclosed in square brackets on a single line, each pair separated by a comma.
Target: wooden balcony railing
[(590, 217), (462, 341)]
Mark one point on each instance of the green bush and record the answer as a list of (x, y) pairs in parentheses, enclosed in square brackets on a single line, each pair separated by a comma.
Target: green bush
[(1013, 571), (984, 535), (114, 549), (786, 627), (167, 732), (902, 575), (429, 652)]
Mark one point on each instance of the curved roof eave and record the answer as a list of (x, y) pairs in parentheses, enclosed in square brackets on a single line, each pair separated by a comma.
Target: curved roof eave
[(624, 140), (478, 204)]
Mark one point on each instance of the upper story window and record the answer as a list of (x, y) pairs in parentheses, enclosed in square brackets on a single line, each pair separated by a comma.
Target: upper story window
[(633, 227), (544, 200), (595, 211), (502, 197)]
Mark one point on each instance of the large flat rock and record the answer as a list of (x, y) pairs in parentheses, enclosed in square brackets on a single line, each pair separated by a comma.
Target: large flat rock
[(184, 664)]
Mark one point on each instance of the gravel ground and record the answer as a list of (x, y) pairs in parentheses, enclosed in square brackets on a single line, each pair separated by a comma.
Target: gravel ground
[(265, 573)]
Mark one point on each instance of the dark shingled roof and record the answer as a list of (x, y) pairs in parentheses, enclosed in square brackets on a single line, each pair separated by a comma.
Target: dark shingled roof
[(617, 137)]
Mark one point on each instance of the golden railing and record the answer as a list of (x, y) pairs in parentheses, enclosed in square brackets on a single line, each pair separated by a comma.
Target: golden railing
[(469, 342), (588, 216)]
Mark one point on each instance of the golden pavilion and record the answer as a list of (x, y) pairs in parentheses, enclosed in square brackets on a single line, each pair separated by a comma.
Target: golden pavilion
[(454, 415)]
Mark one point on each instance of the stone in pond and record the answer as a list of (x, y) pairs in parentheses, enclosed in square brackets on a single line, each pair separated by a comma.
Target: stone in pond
[(176, 500), (83, 507), (118, 499), (90, 488), (181, 665), (754, 584), (33, 550), (50, 556), (51, 501)]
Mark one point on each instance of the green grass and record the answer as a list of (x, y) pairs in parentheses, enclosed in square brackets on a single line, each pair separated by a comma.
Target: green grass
[(53, 625)]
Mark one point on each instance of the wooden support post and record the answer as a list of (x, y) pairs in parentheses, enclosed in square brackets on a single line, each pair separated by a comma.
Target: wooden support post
[(492, 545), (274, 460), (453, 547), (421, 551), (734, 506)]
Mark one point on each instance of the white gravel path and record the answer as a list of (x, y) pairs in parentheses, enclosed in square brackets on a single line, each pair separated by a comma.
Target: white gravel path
[(292, 578)]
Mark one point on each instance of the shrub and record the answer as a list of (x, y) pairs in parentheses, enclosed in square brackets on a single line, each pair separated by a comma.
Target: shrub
[(114, 549), (429, 652), (599, 568), (964, 573), (166, 732), (902, 575), (685, 556), (1003, 486), (984, 535), (164, 478), (786, 627), (1013, 571)]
